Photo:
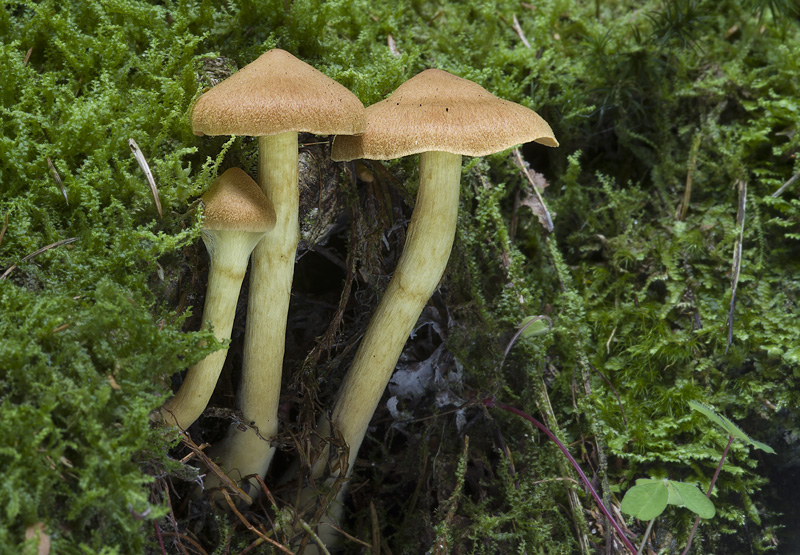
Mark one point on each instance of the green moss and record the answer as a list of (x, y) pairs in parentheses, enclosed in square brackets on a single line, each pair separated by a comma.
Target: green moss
[(638, 98)]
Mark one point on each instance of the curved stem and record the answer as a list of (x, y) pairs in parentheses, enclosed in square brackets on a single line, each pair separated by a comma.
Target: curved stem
[(428, 244), (250, 452), (491, 403), (646, 535), (228, 251)]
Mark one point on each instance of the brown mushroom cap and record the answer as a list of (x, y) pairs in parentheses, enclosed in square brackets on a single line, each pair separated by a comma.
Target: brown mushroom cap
[(235, 202), (437, 111), (274, 94)]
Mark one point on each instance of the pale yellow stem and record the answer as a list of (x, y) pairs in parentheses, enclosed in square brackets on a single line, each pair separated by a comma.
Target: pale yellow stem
[(244, 453), (428, 244), (429, 241), (228, 252)]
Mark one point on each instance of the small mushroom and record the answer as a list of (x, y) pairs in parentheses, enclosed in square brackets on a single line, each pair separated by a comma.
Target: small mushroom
[(272, 98), (442, 117), (236, 217)]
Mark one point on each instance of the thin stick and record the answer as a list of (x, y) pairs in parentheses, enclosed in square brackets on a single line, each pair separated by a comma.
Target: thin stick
[(786, 185), (737, 257), (194, 543), (137, 153), (37, 253), (518, 29), (252, 528), (160, 539), (345, 534), (5, 227), (171, 519), (57, 179), (215, 469)]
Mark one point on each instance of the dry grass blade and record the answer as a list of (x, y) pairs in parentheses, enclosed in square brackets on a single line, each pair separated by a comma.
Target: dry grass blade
[(266, 490), (137, 153), (37, 253), (540, 209), (252, 528), (518, 29), (346, 535), (57, 179), (737, 257), (183, 537), (215, 470)]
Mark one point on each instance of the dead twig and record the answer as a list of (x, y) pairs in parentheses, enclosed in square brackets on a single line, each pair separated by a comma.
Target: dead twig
[(137, 153), (57, 179), (252, 528), (5, 227), (184, 537), (518, 29), (172, 520), (737, 256), (159, 538), (786, 185), (37, 253), (345, 534), (215, 470)]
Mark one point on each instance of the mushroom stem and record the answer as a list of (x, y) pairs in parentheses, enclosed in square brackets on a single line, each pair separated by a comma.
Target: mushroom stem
[(429, 241), (228, 252), (250, 452)]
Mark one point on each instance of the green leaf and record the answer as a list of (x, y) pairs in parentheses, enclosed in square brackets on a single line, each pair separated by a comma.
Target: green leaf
[(646, 500), (533, 326), (728, 426), (692, 498)]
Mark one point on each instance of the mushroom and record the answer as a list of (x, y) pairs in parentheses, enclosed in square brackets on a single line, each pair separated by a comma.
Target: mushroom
[(442, 117), (272, 98), (236, 217)]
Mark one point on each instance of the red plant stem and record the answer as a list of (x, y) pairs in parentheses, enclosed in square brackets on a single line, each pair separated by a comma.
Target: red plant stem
[(490, 402), (160, 539), (708, 494)]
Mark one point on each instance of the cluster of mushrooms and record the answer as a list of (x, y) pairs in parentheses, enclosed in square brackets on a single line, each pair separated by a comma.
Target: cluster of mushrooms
[(436, 114)]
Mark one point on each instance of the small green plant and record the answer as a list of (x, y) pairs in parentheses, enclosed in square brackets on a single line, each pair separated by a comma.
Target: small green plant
[(650, 497), (733, 433)]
